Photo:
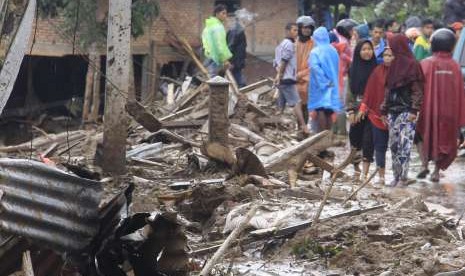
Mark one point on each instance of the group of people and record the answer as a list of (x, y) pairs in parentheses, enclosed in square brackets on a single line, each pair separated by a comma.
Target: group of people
[(397, 89), (393, 85)]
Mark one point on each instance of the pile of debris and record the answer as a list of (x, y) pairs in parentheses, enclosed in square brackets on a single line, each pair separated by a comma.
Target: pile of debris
[(211, 170)]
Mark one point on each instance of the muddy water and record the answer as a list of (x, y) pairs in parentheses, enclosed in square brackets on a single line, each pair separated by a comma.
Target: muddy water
[(449, 192)]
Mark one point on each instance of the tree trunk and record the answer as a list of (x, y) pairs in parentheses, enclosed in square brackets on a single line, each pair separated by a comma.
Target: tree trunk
[(118, 63)]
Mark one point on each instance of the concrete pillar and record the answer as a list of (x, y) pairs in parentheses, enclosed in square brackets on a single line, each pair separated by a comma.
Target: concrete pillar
[(218, 121)]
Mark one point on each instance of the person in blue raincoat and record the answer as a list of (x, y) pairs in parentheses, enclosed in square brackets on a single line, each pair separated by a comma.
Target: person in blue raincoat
[(323, 101)]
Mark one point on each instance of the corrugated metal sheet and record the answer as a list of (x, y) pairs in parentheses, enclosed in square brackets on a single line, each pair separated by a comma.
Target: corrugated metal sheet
[(49, 207)]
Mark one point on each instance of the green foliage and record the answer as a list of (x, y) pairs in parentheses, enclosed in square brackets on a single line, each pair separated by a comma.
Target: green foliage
[(88, 29), (310, 249), (399, 9)]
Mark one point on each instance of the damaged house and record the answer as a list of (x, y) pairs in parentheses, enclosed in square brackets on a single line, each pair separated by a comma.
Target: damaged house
[(56, 68)]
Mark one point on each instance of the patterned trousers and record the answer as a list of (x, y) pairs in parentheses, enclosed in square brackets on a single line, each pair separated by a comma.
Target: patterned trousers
[(401, 133)]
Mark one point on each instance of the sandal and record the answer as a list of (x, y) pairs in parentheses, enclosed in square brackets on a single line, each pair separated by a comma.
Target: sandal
[(423, 174)]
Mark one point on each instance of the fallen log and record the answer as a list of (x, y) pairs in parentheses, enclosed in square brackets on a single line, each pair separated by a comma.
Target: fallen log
[(280, 158), (143, 116), (228, 242)]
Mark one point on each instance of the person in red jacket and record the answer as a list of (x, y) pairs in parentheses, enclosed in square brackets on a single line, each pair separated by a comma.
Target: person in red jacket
[(443, 109), (372, 100)]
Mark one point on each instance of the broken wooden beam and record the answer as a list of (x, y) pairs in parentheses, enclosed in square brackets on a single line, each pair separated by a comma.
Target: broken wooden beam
[(184, 124), (280, 158), (256, 85), (144, 117)]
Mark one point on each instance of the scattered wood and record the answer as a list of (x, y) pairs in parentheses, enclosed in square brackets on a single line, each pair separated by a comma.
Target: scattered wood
[(228, 242), (287, 231), (294, 228), (321, 163), (361, 186), (143, 116)]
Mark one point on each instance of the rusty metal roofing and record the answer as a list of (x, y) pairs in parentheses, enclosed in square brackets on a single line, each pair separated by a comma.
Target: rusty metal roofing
[(47, 206)]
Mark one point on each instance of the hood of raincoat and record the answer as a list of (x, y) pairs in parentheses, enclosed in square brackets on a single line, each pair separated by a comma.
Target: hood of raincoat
[(321, 36)]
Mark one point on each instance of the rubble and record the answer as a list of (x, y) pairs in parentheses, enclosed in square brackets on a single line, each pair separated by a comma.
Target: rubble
[(190, 189)]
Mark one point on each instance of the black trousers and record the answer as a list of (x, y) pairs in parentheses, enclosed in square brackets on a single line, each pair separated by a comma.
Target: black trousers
[(361, 138)]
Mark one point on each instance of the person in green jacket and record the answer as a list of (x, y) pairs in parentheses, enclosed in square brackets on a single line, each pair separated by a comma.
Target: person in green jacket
[(214, 42), (422, 46)]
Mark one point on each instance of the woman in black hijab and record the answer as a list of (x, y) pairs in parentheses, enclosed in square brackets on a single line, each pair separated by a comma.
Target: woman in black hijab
[(360, 133)]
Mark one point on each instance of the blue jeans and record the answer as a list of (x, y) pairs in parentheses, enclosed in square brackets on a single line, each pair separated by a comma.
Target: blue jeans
[(380, 142)]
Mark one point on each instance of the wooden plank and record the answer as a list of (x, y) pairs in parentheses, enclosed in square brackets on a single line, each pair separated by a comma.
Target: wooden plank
[(15, 55), (184, 124), (143, 116), (253, 86), (176, 114), (281, 157)]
